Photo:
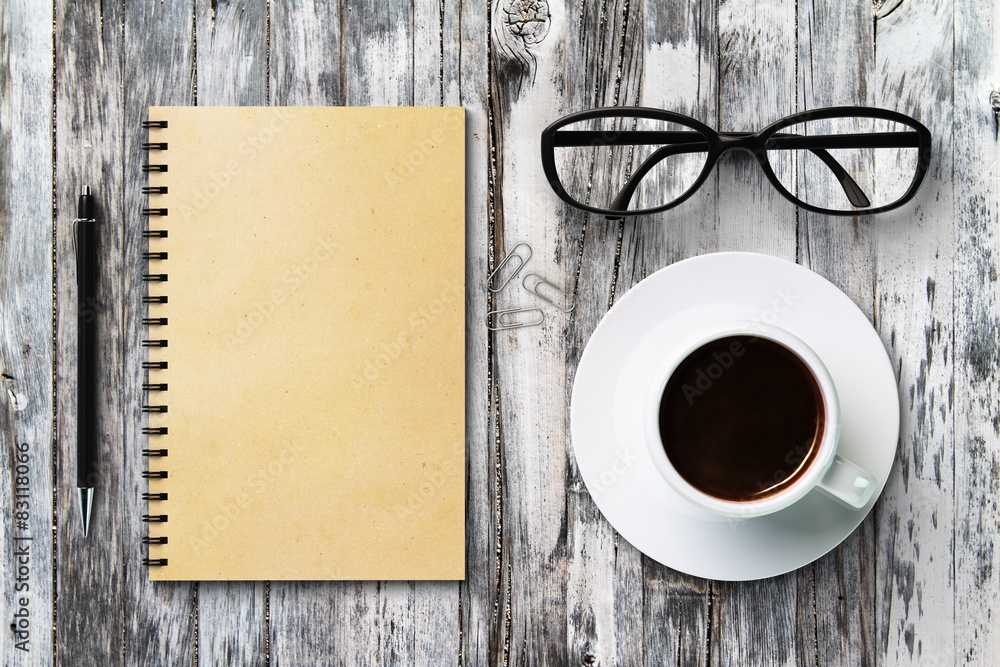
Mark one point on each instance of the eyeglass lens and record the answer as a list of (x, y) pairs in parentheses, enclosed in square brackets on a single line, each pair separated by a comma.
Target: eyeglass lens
[(875, 168), (628, 163)]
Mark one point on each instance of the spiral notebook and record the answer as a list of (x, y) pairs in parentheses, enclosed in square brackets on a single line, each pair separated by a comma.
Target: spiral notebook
[(306, 354)]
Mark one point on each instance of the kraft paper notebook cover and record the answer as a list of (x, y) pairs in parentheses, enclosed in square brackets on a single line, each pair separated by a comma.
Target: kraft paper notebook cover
[(306, 389)]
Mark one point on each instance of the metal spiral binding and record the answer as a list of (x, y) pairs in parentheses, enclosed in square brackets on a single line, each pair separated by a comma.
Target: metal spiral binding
[(151, 278)]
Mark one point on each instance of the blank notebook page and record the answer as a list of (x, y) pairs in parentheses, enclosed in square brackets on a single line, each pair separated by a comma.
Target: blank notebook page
[(315, 343)]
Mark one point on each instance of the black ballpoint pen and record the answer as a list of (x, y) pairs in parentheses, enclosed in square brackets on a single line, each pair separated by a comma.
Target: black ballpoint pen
[(86, 355)]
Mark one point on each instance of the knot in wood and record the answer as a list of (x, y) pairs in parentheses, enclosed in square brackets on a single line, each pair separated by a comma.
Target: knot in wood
[(528, 20)]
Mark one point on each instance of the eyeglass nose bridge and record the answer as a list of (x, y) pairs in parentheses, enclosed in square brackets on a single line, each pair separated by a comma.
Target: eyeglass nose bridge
[(736, 141)]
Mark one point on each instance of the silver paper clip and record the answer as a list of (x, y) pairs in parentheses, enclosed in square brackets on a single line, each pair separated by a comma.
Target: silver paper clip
[(537, 281), (510, 255), (512, 322)]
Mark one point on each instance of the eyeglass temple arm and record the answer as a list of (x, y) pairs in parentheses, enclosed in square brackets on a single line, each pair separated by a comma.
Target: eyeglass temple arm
[(853, 191), (625, 195)]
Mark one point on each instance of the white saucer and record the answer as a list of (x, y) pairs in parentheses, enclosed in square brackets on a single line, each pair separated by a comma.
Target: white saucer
[(621, 360)]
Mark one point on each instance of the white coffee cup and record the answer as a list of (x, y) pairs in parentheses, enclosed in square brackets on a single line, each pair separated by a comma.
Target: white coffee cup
[(829, 472)]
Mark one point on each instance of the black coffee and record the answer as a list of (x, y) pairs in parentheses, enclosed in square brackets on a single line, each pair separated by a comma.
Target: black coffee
[(741, 418)]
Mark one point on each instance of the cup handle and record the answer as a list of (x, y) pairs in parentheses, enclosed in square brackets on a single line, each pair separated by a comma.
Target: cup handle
[(848, 483)]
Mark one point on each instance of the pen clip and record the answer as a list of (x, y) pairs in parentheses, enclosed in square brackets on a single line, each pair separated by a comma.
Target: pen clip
[(76, 251), (76, 247)]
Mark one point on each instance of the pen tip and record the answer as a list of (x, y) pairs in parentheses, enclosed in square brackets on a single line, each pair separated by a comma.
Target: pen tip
[(86, 190), (86, 503)]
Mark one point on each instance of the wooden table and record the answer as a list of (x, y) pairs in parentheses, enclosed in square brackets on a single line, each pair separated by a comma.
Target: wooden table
[(549, 581)]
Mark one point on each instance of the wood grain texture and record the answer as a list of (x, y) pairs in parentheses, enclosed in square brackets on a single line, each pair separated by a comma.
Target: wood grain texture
[(377, 68), (530, 52), (465, 71), (26, 328), (604, 591), (305, 53), (976, 410), (307, 619), (161, 624), (231, 57), (90, 588), (231, 52), (549, 581), (405, 623), (835, 595), (680, 613), (914, 313), (757, 85), (435, 604)]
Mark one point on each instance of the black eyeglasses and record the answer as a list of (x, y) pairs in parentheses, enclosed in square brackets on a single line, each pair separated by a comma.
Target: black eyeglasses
[(620, 161)]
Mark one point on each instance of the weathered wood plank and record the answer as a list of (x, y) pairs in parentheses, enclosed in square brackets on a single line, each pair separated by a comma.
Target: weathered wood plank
[(231, 622), (977, 327), (680, 74), (435, 606), (232, 52), (465, 82), (836, 47), (90, 588), (835, 595), (756, 87), (161, 620), (757, 76), (305, 53), (383, 611), (378, 63), (405, 622), (26, 327), (530, 65), (377, 54), (232, 59), (915, 593), (307, 619), (604, 600)]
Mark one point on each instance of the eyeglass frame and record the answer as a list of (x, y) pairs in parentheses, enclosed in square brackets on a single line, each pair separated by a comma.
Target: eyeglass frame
[(720, 143)]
